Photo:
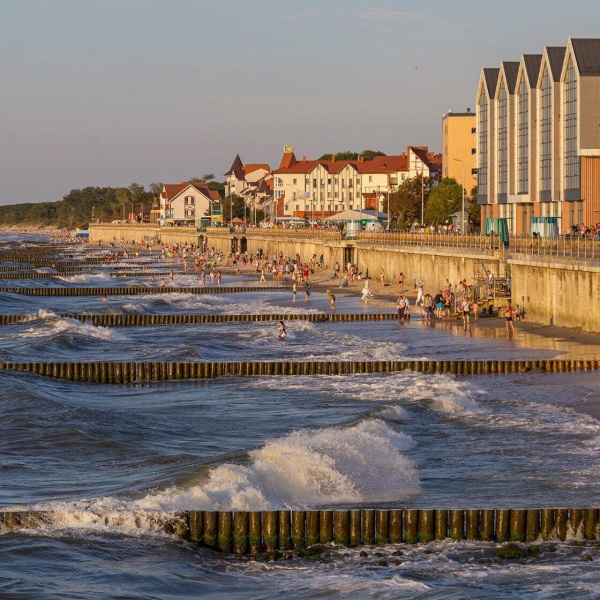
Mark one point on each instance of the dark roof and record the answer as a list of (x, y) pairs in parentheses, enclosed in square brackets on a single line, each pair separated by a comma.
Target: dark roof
[(237, 168), (511, 70), (491, 79), (556, 57), (532, 64), (587, 55)]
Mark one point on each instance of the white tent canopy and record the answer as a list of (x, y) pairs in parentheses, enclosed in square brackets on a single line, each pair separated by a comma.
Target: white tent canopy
[(358, 215)]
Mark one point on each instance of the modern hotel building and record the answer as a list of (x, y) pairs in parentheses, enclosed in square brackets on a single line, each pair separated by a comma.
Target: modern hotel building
[(538, 137)]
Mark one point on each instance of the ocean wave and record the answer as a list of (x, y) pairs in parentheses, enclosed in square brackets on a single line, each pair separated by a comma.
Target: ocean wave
[(53, 326), (332, 466)]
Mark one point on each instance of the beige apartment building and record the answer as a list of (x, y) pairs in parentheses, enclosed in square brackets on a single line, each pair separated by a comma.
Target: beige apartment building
[(320, 188), (459, 148), (538, 137)]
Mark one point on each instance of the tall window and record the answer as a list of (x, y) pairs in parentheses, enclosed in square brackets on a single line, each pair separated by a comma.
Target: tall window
[(523, 138), (571, 160), (546, 133), (502, 140), (482, 159)]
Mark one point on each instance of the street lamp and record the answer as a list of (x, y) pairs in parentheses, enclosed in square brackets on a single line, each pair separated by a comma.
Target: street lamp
[(462, 225)]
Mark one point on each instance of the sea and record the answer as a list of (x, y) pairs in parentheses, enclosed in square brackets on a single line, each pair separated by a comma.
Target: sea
[(104, 458)]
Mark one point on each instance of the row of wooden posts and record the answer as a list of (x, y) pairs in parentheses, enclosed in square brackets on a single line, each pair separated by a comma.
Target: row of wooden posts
[(135, 320), (44, 261), (137, 372), (47, 275), (255, 532), (133, 289)]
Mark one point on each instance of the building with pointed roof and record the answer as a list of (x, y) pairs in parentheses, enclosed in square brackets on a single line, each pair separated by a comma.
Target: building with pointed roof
[(538, 137), (241, 176), (186, 203)]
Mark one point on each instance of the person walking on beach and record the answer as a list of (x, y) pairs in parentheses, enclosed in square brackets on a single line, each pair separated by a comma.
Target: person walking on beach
[(382, 277), (331, 297), (219, 277), (508, 317), (420, 296), (262, 276), (366, 292)]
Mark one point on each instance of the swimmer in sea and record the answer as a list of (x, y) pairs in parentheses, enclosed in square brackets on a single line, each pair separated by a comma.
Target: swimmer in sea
[(281, 334), (104, 299)]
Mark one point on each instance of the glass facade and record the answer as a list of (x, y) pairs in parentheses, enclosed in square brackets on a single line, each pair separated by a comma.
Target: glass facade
[(571, 160), (482, 158), (502, 106), (546, 133), (523, 138)]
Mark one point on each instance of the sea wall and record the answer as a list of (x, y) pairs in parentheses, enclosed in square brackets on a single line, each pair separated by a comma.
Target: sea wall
[(557, 291), (142, 233), (434, 264)]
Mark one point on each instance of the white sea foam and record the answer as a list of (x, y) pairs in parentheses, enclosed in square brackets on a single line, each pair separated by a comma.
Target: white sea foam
[(86, 278), (331, 466), (440, 393)]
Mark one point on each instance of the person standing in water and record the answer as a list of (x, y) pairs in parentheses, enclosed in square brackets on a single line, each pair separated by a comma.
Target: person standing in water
[(331, 297), (508, 317), (294, 291), (281, 335)]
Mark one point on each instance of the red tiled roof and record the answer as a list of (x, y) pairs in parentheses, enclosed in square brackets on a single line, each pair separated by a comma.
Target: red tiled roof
[(288, 159), (255, 167), (379, 164), (174, 189)]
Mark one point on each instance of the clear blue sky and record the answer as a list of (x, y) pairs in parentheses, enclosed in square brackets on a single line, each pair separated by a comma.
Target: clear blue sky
[(107, 92)]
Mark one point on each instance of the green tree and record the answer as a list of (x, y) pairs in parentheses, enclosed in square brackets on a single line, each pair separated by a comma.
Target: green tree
[(473, 209), (405, 203), (371, 154), (238, 207), (349, 155), (444, 200), (155, 189)]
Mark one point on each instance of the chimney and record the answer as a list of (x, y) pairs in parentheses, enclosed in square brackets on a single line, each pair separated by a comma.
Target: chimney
[(304, 159), (333, 158), (361, 158)]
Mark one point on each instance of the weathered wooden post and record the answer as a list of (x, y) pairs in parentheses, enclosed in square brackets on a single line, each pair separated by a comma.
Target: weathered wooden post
[(240, 532), (341, 527)]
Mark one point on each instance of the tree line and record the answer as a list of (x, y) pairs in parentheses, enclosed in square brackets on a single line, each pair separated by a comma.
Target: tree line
[(80, 206)]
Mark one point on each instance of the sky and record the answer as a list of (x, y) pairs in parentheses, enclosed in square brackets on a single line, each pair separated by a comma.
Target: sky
[(110, 92)]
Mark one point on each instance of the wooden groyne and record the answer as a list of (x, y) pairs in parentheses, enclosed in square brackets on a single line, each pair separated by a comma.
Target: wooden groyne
[(24, 274), (136, 289), (242, 532), (135, 320), (140, 372)]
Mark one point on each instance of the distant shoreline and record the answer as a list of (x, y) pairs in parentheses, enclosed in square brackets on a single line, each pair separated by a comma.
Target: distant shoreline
[(31, 229)]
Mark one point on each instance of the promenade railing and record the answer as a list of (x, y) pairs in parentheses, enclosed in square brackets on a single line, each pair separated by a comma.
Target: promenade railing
[(436, 240), (566, 246)]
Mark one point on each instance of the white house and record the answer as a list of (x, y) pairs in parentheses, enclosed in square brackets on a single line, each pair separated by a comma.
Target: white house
[(186, 203)]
